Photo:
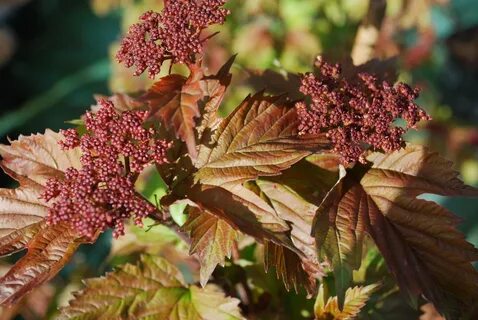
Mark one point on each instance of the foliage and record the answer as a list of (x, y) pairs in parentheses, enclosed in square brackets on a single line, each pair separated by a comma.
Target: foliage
[(152, 289), (307, 182)]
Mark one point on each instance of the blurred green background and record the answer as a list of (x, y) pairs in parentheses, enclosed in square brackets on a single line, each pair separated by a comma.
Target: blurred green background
[(56, 54)]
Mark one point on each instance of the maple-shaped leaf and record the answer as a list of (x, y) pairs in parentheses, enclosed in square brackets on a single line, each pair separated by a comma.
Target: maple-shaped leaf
[(174, 99), (422, 248), (327, 308), (214, 88), (32, 160), (48, 252), (259, 138), (178, 101), (212, 239), (243, 210), (289, 267), (38, 157), (152, 289)]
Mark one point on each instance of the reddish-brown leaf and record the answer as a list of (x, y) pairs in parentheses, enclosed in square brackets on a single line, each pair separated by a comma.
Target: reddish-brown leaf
[(259, 138), (48, 252), (177, 101), (38, 157), (417, 238), (212, 239), (295, 196), (214, 88), (174, 99), (242, 209), (32, 160), (290, 267)]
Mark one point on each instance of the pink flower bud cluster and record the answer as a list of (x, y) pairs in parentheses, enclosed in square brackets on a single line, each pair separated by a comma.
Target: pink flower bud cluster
[(357, 113), (100, 195), (174, 34)]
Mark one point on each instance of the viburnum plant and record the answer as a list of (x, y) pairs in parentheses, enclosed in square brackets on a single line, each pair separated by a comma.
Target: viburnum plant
[(315, 180)]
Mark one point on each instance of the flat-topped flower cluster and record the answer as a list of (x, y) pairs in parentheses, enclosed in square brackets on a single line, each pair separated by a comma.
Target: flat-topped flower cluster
[(115, 148), (173, 34), (357, 113)]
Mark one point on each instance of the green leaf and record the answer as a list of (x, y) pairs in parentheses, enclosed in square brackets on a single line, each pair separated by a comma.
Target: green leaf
[(211, 238), (422, 248), (152, 289), (259, 138), (327, 308)]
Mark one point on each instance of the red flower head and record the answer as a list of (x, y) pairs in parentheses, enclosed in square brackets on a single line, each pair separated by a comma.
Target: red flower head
[(174, 34), (116, 147), (357, 113)]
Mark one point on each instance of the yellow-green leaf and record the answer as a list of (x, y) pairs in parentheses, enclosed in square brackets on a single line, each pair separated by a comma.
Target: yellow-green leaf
[(327, 308), (212, 239), (152, 289)]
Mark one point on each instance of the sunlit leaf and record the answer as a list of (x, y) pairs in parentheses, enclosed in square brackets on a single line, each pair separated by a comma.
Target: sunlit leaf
[(211, 238), (259, 138), (418, 239), (48, 252), (153, 289), (32, 160), (174, 99), (327, 308), (38, 157), (179, 101), (21, 213), (214, 88)]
